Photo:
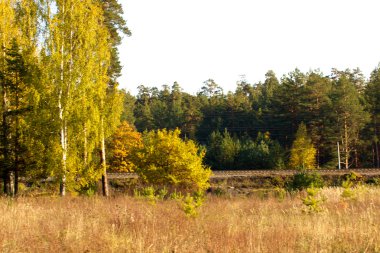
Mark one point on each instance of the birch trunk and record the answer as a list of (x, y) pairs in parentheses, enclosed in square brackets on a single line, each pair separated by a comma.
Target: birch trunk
[(103, 161), (62, 188)]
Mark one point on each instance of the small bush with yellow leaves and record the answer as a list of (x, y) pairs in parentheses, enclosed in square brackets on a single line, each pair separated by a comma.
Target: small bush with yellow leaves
[(166, 159)]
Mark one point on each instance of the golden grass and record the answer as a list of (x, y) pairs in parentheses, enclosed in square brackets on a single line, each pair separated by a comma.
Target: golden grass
[(125, 224)]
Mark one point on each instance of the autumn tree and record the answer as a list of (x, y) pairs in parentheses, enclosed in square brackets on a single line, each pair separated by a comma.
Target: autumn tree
[(166, 159), (302, 153), (125, 140), (75, 83)]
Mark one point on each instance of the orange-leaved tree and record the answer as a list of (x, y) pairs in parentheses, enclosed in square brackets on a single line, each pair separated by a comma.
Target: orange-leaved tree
[(125, 140)]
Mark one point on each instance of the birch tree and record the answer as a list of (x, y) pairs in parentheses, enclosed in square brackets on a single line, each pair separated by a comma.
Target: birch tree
[(78, 56)]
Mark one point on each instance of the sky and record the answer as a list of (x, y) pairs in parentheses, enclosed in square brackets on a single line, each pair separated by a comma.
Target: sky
[(191, 41)]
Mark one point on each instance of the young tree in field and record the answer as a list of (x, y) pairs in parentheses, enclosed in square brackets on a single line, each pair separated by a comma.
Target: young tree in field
[(125, 140), (302, 153), (166, 159)]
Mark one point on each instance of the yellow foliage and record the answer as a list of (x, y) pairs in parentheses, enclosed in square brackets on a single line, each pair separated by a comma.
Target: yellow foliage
[(166, 159), (125, 140), (302, 154)]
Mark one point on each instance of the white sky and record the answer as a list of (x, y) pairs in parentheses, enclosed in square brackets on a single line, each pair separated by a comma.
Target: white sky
[(190, 41)]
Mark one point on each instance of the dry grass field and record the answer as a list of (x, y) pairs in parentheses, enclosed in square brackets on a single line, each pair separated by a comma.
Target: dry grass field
[(239, 224)]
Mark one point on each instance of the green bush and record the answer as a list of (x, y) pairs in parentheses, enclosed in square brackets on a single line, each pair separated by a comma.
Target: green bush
[(88, 190), (148, 193), (353, 177), (303, 180), (349, 188), (219, 191), (373, 181), (191, 203), (313, 200)]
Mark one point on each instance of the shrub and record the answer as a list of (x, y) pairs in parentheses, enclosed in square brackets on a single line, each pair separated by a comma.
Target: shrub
[(353, 177), (191, 203), (148, 193), (313, 200), (305, 180), (348, 192), (373, 181), (165, 159), (88, 190)]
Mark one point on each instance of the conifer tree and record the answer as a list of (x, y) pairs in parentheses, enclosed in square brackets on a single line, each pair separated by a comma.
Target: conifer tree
[(286, 106), (8, 32), (19, 105), (316, 108), (372, 95), (350, 116)]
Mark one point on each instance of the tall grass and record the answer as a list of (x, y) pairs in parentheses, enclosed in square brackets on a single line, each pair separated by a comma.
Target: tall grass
[(125, 224)]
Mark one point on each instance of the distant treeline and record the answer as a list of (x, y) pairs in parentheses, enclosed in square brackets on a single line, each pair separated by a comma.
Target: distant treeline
[(254, 126)]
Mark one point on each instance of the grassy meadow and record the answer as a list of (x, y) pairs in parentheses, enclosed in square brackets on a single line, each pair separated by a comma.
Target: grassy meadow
[(275, 223)]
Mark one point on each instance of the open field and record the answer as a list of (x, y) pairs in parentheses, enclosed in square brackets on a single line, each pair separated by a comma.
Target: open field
[(254, 224)]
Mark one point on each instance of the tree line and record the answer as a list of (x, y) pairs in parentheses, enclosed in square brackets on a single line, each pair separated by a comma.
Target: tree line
[(255, 126)]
